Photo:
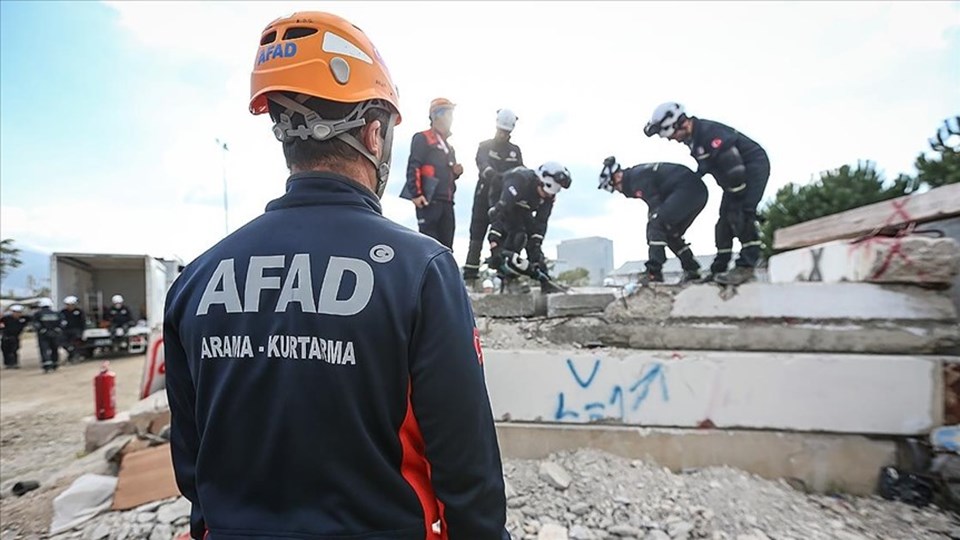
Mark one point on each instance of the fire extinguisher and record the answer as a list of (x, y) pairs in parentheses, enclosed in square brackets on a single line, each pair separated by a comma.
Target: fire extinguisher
[(105, 392)]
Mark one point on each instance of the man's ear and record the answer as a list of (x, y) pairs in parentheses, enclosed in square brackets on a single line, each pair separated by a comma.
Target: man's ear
[(372, 139)]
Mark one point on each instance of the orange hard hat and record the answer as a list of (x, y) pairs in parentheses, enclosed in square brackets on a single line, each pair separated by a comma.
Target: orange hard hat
[(319, 54), (440, 103)]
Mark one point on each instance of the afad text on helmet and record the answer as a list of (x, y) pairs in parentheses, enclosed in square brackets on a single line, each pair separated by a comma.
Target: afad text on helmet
[(278, 50)]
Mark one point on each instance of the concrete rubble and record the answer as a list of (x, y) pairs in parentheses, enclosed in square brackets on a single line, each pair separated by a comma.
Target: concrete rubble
[(798, 317), (615, 498)]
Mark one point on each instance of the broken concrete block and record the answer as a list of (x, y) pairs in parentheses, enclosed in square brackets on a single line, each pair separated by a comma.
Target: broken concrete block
[(506, 305), (551, 531), (579, 302), (555, 475), (151, 413), (910, 259), (100, 432), (824, 301)]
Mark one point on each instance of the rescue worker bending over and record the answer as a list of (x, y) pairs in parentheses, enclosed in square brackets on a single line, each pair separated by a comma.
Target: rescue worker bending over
[(11, 325), (675, 197), (519, 221), (494, 157), (740, 166), (324, 371), (432, 172), (119, 315), (73, 321), (46, 321)]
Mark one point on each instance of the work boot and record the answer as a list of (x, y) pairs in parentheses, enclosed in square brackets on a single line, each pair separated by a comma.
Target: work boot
[(649, 277), (691, 276), (737, 276)]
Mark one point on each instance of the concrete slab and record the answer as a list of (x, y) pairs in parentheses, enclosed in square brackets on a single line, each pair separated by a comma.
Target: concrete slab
[(806, 301), (100, 432), (579, 301), (841, 393), (824, 463), (912, 259), (507, 305), (146, 414), (865, 337)]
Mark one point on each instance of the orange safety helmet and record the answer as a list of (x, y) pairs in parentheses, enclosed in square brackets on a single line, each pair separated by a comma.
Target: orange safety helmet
[(440, 103), (322, 55)]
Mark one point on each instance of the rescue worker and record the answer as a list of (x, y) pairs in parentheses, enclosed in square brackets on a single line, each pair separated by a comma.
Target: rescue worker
[(494, 157), (519, 222), (11, 325), (46, 321), (675, 197), (72, 321), (324, 351), (740, 166), (118, 315), (432, 172)]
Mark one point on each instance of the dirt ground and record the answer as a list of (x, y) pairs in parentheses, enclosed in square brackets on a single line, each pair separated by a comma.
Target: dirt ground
[(42, 419)]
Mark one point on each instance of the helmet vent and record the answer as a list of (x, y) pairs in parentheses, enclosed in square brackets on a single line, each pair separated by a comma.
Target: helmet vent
[(298, 32), (268, 38)]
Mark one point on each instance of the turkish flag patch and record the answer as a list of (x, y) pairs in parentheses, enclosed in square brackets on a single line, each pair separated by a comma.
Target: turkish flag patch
[(476, 345), (716, 143)]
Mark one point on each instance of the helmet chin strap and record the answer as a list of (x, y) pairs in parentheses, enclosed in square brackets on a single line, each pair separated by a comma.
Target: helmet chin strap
[(322, 130)]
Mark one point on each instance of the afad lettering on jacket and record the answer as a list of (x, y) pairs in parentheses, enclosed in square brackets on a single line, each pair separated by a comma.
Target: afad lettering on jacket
[(296, 287), (280, 50)]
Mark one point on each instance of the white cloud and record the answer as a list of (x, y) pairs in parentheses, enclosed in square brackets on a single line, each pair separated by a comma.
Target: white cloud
[(818, 84)]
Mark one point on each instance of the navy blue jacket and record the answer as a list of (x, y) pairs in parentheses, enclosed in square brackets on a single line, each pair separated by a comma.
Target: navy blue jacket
[(500, 157), (431, 156), (325, 379), (724, 153), (654, 182)]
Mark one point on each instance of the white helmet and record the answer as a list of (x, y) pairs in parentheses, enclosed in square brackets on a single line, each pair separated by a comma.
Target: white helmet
[(664, 120), (117, 299), (45, 302), (16, 308), (554, 177), (610, 167), (506, 120), (70, 300)]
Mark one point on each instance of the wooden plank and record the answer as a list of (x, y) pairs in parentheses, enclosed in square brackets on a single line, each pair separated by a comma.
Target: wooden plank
[(145, 476), (938, 203)]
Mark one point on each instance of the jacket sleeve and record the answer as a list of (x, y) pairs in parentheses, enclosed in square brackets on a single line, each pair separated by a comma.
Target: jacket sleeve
[(450, 402), (182, 396), (519, 157), (653, 193), (418, 156), (483, 158)]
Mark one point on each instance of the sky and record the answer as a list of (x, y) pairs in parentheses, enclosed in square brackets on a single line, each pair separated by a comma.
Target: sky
[(110, 112)]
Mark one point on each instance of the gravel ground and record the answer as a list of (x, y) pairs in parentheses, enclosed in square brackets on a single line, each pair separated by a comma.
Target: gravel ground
[(592, 495)]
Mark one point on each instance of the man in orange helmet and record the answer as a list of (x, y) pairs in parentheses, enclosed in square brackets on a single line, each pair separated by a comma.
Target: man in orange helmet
[(432, 171), (324, 372)]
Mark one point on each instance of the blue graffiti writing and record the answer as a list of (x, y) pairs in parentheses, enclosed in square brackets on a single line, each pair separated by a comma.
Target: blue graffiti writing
[(616, 405), (581, 382)]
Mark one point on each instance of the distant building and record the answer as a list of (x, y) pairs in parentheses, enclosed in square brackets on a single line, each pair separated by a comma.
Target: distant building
[(594, 254), (630, 271)]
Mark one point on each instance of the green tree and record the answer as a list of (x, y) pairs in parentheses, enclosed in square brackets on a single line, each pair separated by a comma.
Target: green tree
[(943, 167), (9, 257), (834, 191), (576, 277)]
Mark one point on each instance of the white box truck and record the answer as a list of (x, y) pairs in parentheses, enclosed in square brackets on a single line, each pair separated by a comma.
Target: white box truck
[(94, 278)]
